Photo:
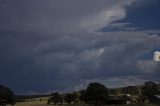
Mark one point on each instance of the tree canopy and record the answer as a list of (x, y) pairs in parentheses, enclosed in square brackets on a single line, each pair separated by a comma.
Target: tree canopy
[(55, 98), (72, 98), (130, 90), (150, 88), (96, 93), (6, 96)]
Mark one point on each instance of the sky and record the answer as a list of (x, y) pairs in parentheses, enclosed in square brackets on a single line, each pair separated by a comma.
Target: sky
[(63, 45)]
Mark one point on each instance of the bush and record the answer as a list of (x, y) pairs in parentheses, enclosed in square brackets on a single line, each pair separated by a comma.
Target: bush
[(6, 96)]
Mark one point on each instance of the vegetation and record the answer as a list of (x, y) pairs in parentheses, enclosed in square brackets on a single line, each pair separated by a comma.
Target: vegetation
[(43, 104), (72, 98), (6, 96), (150, 88), (96, 94), (130, 90), (148, 91), (55, 98)]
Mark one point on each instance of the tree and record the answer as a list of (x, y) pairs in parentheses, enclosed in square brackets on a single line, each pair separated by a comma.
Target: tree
[(112, 91), (72, 98), (96, 94), (55, 98), (150, 88), (6, 96), (82, 95), (130, 90)]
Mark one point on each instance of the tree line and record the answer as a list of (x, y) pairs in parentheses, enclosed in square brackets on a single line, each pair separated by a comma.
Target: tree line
[(6, 96), (95, 94), (98, 94)]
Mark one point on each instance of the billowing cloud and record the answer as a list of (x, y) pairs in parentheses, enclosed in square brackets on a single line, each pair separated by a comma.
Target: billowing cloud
[(61, 16), (157, 56), (62, 61), (55, 45)]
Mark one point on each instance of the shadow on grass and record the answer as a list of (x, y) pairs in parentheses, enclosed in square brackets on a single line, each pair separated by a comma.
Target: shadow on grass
[(108, 105)]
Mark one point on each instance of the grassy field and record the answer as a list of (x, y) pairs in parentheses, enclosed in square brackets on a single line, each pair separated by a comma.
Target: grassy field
[(31, 104), (43, 103)]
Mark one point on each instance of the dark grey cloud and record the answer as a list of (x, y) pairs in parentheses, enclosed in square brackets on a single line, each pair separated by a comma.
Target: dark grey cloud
[(66, 16), (52, 45), (62, 62)]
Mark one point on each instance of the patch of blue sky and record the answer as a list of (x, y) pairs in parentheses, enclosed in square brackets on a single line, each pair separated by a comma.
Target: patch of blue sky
[(140, 16), (148, 55)]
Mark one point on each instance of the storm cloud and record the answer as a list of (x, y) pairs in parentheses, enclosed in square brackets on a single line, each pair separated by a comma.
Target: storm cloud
[(56, 45)]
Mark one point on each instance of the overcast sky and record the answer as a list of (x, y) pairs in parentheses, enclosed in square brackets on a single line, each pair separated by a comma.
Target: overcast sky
[(62, 45)]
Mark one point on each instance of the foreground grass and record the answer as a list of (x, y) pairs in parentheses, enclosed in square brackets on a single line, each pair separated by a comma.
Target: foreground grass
[(40, 103), (44, 103)]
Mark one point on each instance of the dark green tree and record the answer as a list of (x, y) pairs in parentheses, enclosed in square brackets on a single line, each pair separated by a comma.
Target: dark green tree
[(82, 95), (112, 91), (6, 96), (96, 94), (76, 97), (55, 98), (72, 98), (130, 90), (150, 88)]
